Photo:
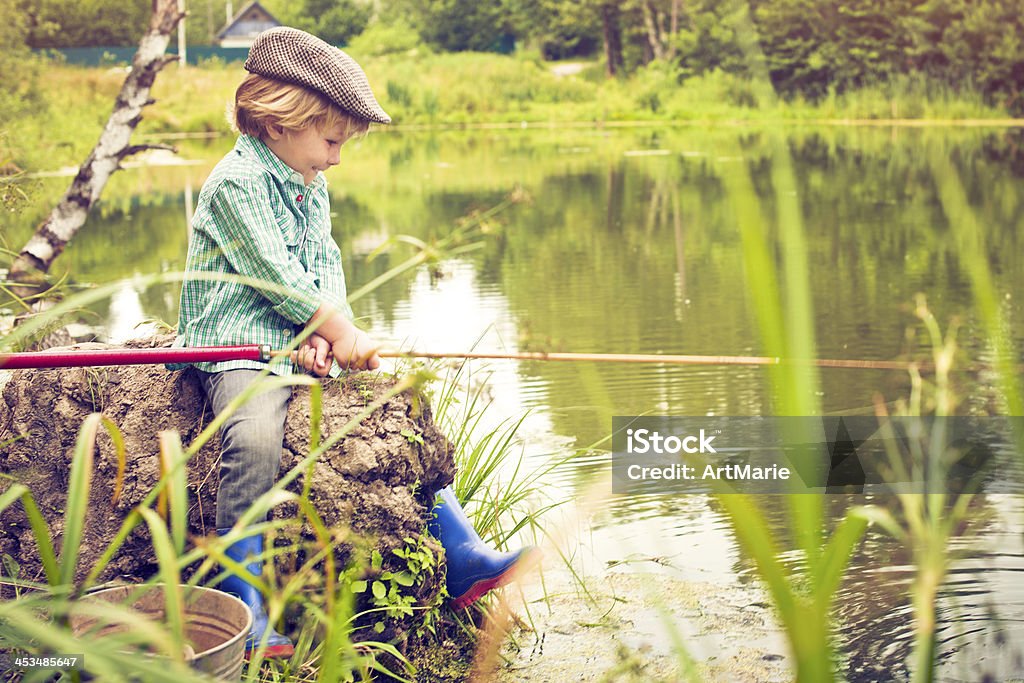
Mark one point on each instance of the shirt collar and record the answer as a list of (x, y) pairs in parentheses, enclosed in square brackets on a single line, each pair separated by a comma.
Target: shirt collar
[(280, 170)]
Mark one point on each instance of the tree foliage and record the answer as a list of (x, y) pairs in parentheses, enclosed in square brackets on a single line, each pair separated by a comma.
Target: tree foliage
[(560, 29), (983, 44), (84, 23), (19, 89), (335, 21), (707, 41), (459, 25), (813, 46)]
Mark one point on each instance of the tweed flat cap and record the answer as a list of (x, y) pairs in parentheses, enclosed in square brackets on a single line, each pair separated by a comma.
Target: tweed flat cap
[(295, 56)]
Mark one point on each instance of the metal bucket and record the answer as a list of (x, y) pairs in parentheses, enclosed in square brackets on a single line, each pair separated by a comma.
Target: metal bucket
[(216, 624)]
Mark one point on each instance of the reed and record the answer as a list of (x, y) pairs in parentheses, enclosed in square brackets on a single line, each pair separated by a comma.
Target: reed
[(779, 288), (491, 476)]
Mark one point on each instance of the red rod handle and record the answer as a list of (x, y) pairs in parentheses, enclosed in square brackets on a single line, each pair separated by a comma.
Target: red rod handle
[(90, 357)]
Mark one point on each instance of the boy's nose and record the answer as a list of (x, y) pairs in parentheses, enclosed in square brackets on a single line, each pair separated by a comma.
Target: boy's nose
[(334, 158)]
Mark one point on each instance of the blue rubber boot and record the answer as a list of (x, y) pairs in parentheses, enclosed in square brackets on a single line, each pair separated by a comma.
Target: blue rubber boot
[(473, 567), (246, 552)]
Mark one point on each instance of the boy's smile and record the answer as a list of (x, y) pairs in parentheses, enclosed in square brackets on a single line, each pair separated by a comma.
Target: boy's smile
[(308, 150)]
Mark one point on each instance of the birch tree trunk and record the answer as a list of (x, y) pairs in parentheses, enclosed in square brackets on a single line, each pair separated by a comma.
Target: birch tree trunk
[(673, 31), (69, 215), (655, 39)]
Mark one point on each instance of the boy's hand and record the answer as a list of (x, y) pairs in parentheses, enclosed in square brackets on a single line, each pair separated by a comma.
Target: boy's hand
[(352, 348), (314, 355), (356, 351)]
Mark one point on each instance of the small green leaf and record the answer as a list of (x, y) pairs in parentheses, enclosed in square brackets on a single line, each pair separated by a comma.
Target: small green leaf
[(376, 561), (404, 579), (379, 627), (379, 590), (358, 586)]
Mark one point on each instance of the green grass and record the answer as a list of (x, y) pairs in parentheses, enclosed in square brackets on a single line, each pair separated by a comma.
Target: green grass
[(457, 89)]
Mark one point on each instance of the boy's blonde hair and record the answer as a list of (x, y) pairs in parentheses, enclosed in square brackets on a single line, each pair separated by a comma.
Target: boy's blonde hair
[(261, 102)]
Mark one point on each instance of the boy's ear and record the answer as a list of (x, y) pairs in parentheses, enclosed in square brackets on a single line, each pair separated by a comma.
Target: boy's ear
[(275, 132)]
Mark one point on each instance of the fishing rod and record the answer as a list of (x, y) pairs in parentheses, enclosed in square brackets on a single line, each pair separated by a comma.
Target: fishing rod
[(256, 352)]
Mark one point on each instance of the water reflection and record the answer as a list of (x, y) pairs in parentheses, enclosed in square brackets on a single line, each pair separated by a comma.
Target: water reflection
[(621, 251), (126, 316)]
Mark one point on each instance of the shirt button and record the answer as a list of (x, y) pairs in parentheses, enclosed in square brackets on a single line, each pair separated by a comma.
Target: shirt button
[(287, 333), (299, 198)]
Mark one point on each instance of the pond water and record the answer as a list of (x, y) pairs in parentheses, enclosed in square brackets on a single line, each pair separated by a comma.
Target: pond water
[(629, 243)]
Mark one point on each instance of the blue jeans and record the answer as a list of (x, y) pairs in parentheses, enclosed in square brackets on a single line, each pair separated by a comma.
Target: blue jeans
[(251, 441)]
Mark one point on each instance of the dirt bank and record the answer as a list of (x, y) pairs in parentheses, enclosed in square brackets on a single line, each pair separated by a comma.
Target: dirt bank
[(378, 481)]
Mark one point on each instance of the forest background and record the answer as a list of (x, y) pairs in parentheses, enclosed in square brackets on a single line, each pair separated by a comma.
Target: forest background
[(812, 46)]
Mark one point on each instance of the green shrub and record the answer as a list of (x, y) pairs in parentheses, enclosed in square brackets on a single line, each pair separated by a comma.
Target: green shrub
[(387, 39)]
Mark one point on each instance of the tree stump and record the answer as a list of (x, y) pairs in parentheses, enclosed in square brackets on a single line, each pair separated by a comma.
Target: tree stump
[(379, 481)]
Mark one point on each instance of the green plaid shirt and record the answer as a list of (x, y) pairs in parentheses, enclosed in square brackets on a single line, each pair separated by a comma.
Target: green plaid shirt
[(255, 218)]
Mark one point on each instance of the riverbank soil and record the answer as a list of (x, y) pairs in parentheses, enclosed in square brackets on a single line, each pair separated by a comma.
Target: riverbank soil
[(376, 483), (632, 626)]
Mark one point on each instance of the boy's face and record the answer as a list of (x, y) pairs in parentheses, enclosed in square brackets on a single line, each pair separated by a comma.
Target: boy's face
[(309, 150)]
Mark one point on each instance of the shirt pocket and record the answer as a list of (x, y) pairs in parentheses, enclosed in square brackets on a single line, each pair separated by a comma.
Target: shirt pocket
[(291, 231)]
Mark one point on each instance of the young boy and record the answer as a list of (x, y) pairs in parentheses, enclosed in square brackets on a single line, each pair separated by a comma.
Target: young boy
[(264, 214)]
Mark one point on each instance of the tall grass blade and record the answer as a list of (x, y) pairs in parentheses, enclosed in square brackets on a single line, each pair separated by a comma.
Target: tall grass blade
[(316, 393), (970, 236), (167, 560), (172, 468), (337, 648), (112, 658), (836, 556), (756, 538), (132, 520), (450, 244), (11, 495), (40, 529), (78, 490), (121, 456)]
